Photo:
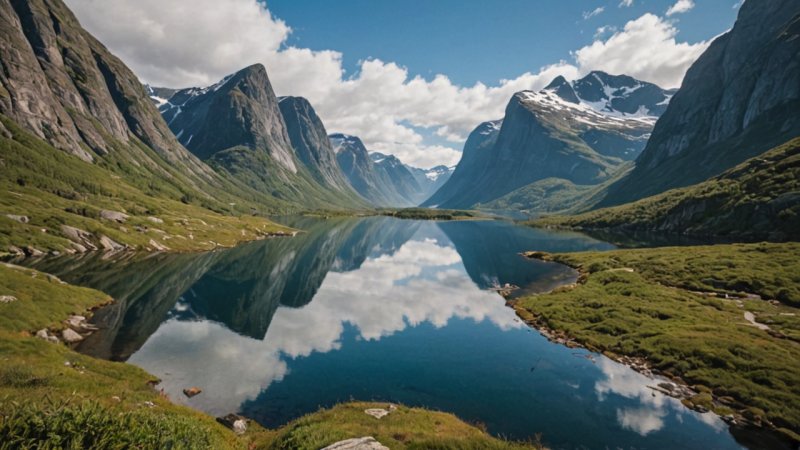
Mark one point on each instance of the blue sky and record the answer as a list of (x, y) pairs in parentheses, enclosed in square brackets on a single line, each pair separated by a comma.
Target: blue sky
[(411, 78), (475, 40)]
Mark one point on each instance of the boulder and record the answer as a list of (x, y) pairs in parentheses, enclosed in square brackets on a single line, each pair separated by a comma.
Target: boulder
[(157, 246), (155, 220), (235, 422), (82, 239), (377, 413), (110, 245), (114, 216), (192, 391), (364, 443), (7, 298), (44, 334), (33, 251), (70, 336), (20, 219), (16, 251)]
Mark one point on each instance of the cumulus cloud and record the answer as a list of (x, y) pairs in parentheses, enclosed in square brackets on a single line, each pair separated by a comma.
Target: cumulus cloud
[(382, 103), (645, 48), (680, 7)]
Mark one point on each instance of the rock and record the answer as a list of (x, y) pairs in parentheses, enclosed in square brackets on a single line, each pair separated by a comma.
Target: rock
[(155, 220), (157, 246), (377, 413), (235, 422), (20, 219), (33, 251), (82, 239), (75, 321), (364, 443), (116, 398), (192, 391), (7, 298), (149, 404), (114, 216), (70, 336), (44, 334), (16, 251), (109, 245)]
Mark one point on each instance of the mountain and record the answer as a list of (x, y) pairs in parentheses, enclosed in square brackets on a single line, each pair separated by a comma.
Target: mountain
[(82, 141), (310, 141), (238, 127), (399, 176), (739, 99), (371, 180), (756, 200), (430, 180), (582, 132)]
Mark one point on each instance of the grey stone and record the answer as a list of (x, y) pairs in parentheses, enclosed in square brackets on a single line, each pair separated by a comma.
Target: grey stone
[(114, 216), (70, 336), (20, 219), (363, 443)]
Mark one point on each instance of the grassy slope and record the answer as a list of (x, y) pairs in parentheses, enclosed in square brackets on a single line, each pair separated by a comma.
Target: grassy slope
[(759, 199), (53, 188), (652, 312), (73, 405)]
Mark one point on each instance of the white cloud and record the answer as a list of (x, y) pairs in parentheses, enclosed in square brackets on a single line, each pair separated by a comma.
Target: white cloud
[(645, 48), (680, 7), (604, 30), (382, 103), (625, 3), (594, 12)]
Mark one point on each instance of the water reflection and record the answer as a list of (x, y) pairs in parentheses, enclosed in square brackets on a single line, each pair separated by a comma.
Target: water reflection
[(376, 309)]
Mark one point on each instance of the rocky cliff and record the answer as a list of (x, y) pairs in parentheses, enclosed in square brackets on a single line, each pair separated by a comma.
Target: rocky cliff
[(739, 99)]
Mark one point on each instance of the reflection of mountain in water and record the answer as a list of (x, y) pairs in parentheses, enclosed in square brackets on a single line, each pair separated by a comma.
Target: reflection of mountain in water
[(490, 253), (240, 287)]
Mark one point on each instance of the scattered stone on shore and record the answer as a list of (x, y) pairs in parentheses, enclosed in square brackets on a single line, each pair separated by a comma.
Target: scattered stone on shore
[(192, 391), (114, 216), (379, 413), (235, 422), (7, 299), (110, 245), (33, 251), (157, 246), (82, 239), (45, 334), (364, 443), (70, 336), (17, 218)]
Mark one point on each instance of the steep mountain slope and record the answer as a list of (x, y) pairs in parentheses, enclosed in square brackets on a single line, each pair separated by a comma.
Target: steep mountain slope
[(309, 138), (474, 159), (581, 133), (739, 99), (758, 199), (237, 127), (399, 176), (372, 182), (84, 149)]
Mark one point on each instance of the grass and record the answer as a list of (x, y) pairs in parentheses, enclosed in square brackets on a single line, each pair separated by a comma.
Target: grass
[(431, 214), (758, 199), (642, 303), (53, 188), (53, 397)]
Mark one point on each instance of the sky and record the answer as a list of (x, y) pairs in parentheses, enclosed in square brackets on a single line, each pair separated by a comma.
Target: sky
[(410, 78)]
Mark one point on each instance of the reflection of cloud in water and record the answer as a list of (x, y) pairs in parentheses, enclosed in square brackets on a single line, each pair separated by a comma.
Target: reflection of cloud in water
[(421, 282), (653, 406)]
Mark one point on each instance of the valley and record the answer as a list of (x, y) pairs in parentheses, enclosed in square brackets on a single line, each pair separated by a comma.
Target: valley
[(257, 251)]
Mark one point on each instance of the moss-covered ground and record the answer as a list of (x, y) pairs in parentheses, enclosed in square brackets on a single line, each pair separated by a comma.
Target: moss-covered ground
[(683, 310)]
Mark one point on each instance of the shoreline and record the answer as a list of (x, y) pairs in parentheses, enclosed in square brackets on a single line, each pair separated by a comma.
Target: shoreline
[(730, 410)]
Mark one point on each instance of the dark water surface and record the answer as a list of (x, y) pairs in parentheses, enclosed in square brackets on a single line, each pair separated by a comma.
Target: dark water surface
[(378, 309)]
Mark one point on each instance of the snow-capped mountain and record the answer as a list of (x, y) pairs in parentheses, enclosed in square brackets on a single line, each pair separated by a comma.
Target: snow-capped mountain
[(581, 132), (615, 95)]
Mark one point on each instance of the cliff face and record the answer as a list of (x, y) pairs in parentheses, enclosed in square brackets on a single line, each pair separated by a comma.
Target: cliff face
[(309, 138), (239, 111), (740, 98), (64, 86)]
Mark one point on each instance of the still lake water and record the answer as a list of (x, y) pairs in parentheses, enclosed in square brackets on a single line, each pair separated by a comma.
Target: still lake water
[(378, 309)]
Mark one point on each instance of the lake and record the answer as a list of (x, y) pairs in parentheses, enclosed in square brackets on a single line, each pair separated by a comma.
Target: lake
[(378, 309)]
